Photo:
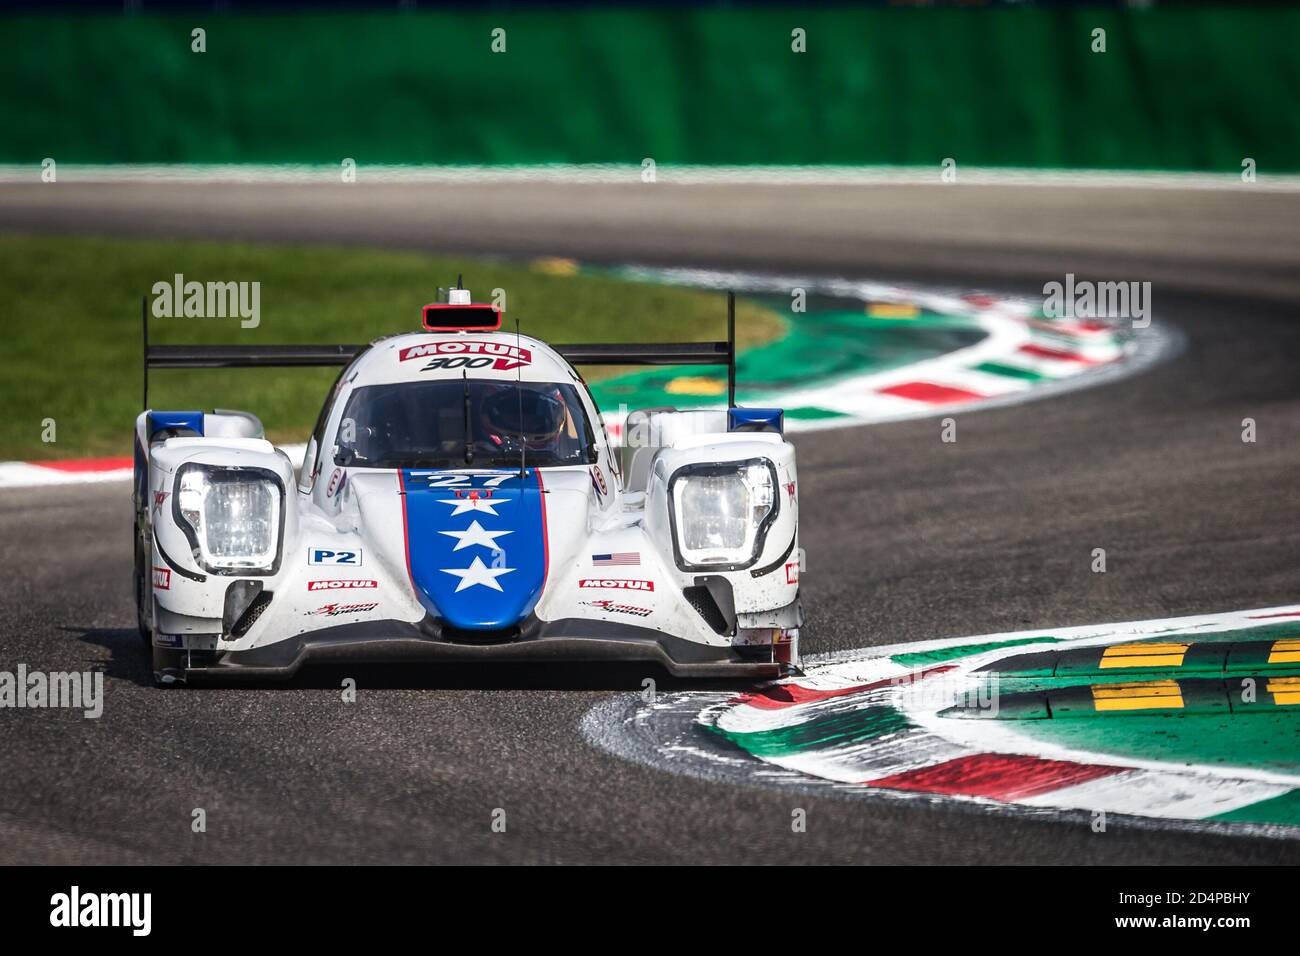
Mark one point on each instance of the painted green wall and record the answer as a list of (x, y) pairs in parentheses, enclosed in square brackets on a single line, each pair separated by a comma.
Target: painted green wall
[(1177, 88)]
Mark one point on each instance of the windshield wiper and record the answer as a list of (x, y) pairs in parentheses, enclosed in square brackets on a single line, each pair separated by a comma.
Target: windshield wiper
[(469, 446)]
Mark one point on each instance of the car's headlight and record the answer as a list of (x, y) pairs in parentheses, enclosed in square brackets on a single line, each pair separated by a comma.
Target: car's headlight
[(721, 512), (232, 516)]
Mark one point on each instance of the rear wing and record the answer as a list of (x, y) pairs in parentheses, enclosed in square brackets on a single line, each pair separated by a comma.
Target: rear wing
[(316, 356)]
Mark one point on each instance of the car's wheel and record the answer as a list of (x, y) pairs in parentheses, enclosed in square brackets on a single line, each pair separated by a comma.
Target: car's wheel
[(143, 594)]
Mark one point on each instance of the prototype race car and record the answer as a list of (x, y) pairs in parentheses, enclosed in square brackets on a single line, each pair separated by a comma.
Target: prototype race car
[(460, 500)]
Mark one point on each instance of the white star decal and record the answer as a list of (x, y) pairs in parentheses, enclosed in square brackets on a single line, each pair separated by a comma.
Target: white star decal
[(477, 573), (474, 504), (473, 535)]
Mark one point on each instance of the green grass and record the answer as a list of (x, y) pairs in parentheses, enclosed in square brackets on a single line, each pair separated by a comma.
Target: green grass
[(72, 324)]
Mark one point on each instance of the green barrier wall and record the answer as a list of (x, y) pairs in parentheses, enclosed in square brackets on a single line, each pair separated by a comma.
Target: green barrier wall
[(1195, 89)]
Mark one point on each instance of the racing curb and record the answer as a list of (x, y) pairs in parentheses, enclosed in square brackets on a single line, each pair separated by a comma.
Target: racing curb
[(877, 722), (80, 471), (1023, 357)]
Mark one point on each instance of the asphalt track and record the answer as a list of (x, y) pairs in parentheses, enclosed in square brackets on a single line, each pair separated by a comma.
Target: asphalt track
[(908, 538)]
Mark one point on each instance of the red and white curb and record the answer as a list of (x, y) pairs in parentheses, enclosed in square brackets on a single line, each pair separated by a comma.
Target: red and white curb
[(988, 759), (72, 471), (1022, 356), (963, 379), (980, 763), (79, 471)]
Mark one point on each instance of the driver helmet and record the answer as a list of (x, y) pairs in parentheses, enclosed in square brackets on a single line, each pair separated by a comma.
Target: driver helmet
[(523, 415)]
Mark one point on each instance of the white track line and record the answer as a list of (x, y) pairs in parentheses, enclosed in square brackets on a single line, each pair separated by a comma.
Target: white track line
[(631, 173)]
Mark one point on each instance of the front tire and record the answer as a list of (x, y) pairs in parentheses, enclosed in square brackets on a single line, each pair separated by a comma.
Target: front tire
[(143, 594)]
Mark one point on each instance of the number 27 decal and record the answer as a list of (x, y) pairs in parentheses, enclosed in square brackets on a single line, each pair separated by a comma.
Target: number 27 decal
[(461, 481)]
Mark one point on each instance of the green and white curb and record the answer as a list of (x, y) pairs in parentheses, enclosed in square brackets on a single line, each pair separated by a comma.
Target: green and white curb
[(1191, 722), (965, 351)]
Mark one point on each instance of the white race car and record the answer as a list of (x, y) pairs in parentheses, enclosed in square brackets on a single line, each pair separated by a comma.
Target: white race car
[(460, 500)]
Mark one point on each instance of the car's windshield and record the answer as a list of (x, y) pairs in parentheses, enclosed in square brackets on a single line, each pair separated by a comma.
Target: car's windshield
[(422, 425)]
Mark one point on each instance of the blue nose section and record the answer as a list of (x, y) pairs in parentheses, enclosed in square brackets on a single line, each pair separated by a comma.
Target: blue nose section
[(475, 544)]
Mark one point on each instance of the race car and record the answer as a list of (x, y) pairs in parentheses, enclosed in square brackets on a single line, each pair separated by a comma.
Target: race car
[(460, 500)]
